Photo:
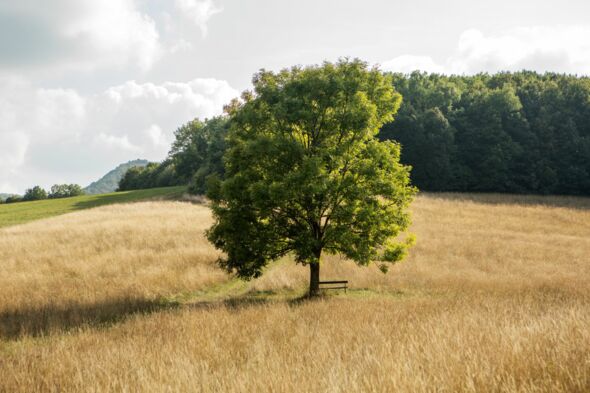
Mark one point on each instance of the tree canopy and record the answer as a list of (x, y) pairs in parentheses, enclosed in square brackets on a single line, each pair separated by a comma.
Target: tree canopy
[(151, 175), (304, 173), (511, 132), (197, 151), (65, 191), (35, 193)]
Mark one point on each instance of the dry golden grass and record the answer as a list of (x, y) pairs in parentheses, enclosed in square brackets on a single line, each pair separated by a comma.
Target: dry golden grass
[(451, 344), (478, 243), (99, 264), (495, 297)]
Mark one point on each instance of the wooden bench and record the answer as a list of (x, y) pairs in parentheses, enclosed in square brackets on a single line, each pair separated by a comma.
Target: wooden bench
[(334, 285)]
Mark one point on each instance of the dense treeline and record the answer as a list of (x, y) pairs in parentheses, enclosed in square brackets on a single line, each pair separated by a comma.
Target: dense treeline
[(510, 132), (149, 176), (195, 155)]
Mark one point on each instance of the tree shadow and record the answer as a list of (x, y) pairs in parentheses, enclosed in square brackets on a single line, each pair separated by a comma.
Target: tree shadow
[(59, 318), (571, 202), (255, 298), (101, 200), (129, 196), (232, 304), (52, 318)]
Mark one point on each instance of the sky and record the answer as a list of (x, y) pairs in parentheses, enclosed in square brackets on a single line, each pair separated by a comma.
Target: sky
[(86, 85)]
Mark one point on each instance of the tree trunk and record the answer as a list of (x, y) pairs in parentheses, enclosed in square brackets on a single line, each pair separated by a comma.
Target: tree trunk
[(314, 279)]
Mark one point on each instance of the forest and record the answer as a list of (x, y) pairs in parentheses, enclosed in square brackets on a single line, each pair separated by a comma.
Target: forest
[(523, 132), (510, 132)]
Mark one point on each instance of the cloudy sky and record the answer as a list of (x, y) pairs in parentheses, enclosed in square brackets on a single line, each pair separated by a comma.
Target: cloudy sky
[(87, 84)]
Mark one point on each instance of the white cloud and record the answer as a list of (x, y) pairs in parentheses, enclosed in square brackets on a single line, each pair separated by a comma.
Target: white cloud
[(48, 114), (13, 146), (198, 11), (118, 31), (148, 113), (56, 135), (159, 139), (78, 34), (559, 49), (181, 45), (409, 63), (58, 113), (111, 142)]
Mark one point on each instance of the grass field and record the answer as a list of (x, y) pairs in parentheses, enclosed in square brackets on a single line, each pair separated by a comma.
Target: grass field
[(22, 212), (494, 298)]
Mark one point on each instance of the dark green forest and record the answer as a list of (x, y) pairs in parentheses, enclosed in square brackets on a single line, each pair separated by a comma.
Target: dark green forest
[(510, 132)]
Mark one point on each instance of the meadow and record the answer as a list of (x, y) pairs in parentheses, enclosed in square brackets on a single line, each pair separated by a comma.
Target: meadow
[(494, 297), (22, 212)]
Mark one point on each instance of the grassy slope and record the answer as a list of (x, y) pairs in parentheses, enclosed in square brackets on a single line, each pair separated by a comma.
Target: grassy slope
[(20, 213)]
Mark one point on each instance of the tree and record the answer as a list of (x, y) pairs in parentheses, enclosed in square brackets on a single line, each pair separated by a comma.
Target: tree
[(212, 166), (149, 176), (486, 149), (131, 180), (188, 149), (65, 191), (304, 173), (198, 150), (429, 145), (74, 190), (58, 191), (34, 194)]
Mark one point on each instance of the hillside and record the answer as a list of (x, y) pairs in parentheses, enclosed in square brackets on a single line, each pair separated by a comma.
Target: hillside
[(110, 181), (22, 212), (494, 297)]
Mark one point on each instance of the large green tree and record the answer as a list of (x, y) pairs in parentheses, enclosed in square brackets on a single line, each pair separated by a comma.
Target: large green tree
[(304, 173)]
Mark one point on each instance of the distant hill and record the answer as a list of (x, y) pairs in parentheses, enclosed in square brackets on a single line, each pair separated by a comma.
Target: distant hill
[(110, 181)]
